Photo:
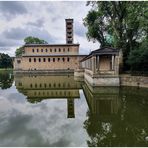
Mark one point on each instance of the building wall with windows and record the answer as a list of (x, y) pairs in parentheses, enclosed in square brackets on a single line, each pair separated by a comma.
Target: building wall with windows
[(50, 56)]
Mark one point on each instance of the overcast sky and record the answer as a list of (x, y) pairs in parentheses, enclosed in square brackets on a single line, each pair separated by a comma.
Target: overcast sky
[(45, 20)]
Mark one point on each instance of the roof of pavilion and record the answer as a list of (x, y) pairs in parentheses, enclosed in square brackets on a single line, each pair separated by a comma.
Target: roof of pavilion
[(102, 51)]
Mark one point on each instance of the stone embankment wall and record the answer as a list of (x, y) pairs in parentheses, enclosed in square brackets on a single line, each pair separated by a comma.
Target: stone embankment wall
[(128, 80)]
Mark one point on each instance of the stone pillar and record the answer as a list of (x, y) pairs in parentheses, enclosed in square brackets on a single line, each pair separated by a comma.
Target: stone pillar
[(113, 66), (97, 63), (94, 64)]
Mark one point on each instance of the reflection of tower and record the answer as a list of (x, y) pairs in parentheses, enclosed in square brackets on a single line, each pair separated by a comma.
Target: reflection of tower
[(70, 108), (69, 31)]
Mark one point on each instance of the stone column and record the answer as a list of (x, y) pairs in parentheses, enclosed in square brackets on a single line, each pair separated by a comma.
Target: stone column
[(94, 64), (97, 63), (113, 67)]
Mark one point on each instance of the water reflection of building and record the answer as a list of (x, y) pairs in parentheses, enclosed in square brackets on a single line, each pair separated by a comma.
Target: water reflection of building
[(38, 88), (102, 100)]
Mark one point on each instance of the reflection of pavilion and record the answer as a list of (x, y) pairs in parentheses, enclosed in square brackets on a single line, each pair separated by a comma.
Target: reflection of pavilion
[(102, 100), (38, 88)]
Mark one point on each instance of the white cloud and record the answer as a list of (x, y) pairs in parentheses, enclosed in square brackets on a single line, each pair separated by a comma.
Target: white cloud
[(48, 17)]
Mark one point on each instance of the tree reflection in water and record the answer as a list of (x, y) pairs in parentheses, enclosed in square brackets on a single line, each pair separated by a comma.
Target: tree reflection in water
[(6, 79), (124, 125), (117, 116)]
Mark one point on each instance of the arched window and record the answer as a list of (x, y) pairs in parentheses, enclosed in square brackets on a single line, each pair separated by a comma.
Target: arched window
[(35, 85), (41, 50), (40, 85), (32, 50), (58, 59), (34, 59), (48, 59), (39, 59), (68, 59), (29, 59), (53, 59), (44, 59), (59, 49), (63, 59)]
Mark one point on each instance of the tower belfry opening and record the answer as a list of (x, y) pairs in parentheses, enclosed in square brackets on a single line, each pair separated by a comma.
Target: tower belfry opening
[(69, 31)]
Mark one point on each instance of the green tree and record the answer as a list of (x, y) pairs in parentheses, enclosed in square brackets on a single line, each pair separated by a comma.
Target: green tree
[(34, 40), (19, 51), (29, 40), (125, 22), (138, 58), (5, 61), (6, 79)]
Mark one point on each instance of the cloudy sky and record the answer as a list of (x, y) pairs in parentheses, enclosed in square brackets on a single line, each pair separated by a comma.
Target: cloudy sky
[(45, 20)]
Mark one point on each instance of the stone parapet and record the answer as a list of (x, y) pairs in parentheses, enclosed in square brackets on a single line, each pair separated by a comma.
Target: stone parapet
[(128, 80)]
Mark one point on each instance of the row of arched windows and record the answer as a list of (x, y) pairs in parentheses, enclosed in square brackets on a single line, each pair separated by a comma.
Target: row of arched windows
[(51, 50), (49, 59), (66, 93), (54, 85)]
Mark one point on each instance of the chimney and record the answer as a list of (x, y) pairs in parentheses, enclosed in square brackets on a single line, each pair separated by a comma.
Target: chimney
[(69, 31)]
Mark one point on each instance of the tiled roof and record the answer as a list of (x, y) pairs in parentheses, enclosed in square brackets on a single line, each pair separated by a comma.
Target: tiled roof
[(102, 51)]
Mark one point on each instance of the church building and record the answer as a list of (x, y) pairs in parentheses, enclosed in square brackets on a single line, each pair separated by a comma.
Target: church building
[(50, 57)]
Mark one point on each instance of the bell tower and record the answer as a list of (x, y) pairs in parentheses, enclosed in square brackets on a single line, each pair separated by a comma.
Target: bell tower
[(69, 31)]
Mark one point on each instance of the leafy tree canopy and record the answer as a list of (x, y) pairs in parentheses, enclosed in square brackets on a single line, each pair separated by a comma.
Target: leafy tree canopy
[(29, 40), (125, 22), (5, 61), (138, 58), (34, 40)]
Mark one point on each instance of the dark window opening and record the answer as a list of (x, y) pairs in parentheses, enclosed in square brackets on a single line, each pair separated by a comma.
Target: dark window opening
[(44, 60), (29, 59), (46, 50), (70, 42), (55, 50), (63, 59), (39, 60), (69, 23), (59, 50), (48, 59), (34, 59), (58, 59), (50, 50), (32, 50), (53, 59), (68, 59), (37, 50), (18, 61), (63, 49), (41, 50)]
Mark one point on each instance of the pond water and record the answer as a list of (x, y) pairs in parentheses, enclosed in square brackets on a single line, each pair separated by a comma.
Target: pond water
[(58, 110)]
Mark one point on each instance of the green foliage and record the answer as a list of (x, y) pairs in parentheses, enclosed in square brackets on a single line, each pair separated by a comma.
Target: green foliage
[(19, 51), (29, 40), (125, 22), (138, 58), (34, 40), (6, 79), (5, 61)]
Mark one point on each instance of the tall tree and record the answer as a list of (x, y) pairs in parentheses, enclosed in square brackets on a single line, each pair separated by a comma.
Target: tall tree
[(125, 22), (5, 61), (29, 40), (34, 40)]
